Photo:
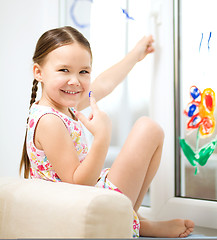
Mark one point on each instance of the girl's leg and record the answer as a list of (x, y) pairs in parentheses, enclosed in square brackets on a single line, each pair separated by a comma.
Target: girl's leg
[(151, 171), (134, 169), (138, 161)]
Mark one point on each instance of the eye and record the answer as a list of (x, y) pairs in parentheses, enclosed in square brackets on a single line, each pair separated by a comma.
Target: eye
[(63, 70), (84, 72)]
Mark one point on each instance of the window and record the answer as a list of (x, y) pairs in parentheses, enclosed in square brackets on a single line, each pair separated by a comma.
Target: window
[(173, 65), (197, 70)]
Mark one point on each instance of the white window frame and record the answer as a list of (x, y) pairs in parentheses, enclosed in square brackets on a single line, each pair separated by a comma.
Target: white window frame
[(164, 204)]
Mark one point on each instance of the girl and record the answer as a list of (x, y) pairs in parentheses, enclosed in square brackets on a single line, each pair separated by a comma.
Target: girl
[(55, 147)]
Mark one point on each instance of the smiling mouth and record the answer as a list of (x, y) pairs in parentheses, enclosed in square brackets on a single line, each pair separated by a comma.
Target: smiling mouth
[(70, 92)]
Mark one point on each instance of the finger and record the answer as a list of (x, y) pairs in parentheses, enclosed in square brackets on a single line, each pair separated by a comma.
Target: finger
[(150, 49), (92, 101), (82, 118), (147, 40), (150, 39), (90, 116)]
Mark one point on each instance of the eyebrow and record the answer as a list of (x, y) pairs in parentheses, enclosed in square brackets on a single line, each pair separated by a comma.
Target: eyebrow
[(86, 67), (68, 66), (63, 66)]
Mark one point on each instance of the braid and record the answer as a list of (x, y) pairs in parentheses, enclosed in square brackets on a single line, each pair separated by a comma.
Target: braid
[(25, 159), (34, 92)]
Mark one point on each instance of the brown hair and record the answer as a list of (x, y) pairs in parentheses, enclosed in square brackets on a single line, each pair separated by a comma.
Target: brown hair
[(49, 41)]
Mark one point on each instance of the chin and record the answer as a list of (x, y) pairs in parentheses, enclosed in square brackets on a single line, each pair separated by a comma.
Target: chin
[(72, 105)]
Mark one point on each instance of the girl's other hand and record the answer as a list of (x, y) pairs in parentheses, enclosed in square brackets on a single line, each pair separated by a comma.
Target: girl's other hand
[(144, 47), (98, 123)]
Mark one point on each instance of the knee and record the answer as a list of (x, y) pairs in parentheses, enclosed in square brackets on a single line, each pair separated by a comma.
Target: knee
[(149, 128)]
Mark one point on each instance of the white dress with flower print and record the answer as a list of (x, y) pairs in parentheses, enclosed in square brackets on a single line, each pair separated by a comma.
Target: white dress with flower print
[(40, 165)]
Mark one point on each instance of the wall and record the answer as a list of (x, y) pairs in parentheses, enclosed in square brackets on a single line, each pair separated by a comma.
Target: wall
[(22, 22)]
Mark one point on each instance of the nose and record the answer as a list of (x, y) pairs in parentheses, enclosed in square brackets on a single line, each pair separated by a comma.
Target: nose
[(74, 81)]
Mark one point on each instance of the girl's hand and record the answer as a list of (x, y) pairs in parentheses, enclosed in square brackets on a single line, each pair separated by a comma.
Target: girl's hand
[(98, 123), (144, 47)]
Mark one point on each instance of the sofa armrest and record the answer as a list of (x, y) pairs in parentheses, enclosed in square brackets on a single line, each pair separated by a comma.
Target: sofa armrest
[(43, 209)]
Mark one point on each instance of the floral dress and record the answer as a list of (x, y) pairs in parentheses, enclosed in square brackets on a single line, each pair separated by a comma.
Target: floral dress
[(40, 165), (41, 168)]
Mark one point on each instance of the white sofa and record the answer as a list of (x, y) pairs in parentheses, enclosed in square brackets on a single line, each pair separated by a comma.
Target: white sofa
[(42, 209)]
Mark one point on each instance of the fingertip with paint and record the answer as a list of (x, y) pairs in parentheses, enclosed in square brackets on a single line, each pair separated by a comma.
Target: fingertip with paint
[(90, 93)]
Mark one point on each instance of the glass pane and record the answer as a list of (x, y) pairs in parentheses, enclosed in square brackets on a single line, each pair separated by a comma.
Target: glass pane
[(197, 87)]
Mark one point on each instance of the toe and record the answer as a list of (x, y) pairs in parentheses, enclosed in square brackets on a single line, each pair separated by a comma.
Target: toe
[(182, 235), (189, 224)]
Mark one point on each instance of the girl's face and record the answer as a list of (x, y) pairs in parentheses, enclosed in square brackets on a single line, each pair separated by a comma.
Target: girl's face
[(65, 76)]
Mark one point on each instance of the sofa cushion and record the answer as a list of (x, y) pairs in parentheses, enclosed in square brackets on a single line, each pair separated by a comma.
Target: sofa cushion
[(43, 209)]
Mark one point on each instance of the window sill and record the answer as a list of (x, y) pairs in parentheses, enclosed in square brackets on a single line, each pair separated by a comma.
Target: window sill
[(203, 213)]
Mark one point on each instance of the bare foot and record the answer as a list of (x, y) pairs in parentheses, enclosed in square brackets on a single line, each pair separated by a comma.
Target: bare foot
[(170, 229)]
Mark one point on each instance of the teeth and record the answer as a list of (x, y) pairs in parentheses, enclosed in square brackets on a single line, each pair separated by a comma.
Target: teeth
[(70, 92)]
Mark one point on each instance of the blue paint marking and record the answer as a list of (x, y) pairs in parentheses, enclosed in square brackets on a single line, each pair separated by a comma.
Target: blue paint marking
[(79, 25), (195, 93), (127, 14), (195, 121), (90, 94), (191, 110), (201, 42), (210, 35)]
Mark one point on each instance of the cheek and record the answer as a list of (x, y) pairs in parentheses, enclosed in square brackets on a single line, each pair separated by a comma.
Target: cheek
[(86, 85), (59, 82), (52, 87)]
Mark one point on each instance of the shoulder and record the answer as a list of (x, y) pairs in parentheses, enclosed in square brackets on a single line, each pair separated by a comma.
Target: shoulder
[(50, 127), (45, 117), (50, 119), (52, 131), (51, 123)]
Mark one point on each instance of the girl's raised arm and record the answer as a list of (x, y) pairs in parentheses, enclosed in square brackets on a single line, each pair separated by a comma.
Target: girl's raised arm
[(106, 82)]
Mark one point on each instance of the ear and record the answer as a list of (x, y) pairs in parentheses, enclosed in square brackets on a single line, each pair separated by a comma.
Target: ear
[(37, 72)]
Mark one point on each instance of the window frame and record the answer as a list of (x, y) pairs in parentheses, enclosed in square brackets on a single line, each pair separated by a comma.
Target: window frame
[(164, 203)]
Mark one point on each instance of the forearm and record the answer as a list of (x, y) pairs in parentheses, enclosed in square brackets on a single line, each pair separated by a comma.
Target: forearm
[(107, 81), (89, 170)]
